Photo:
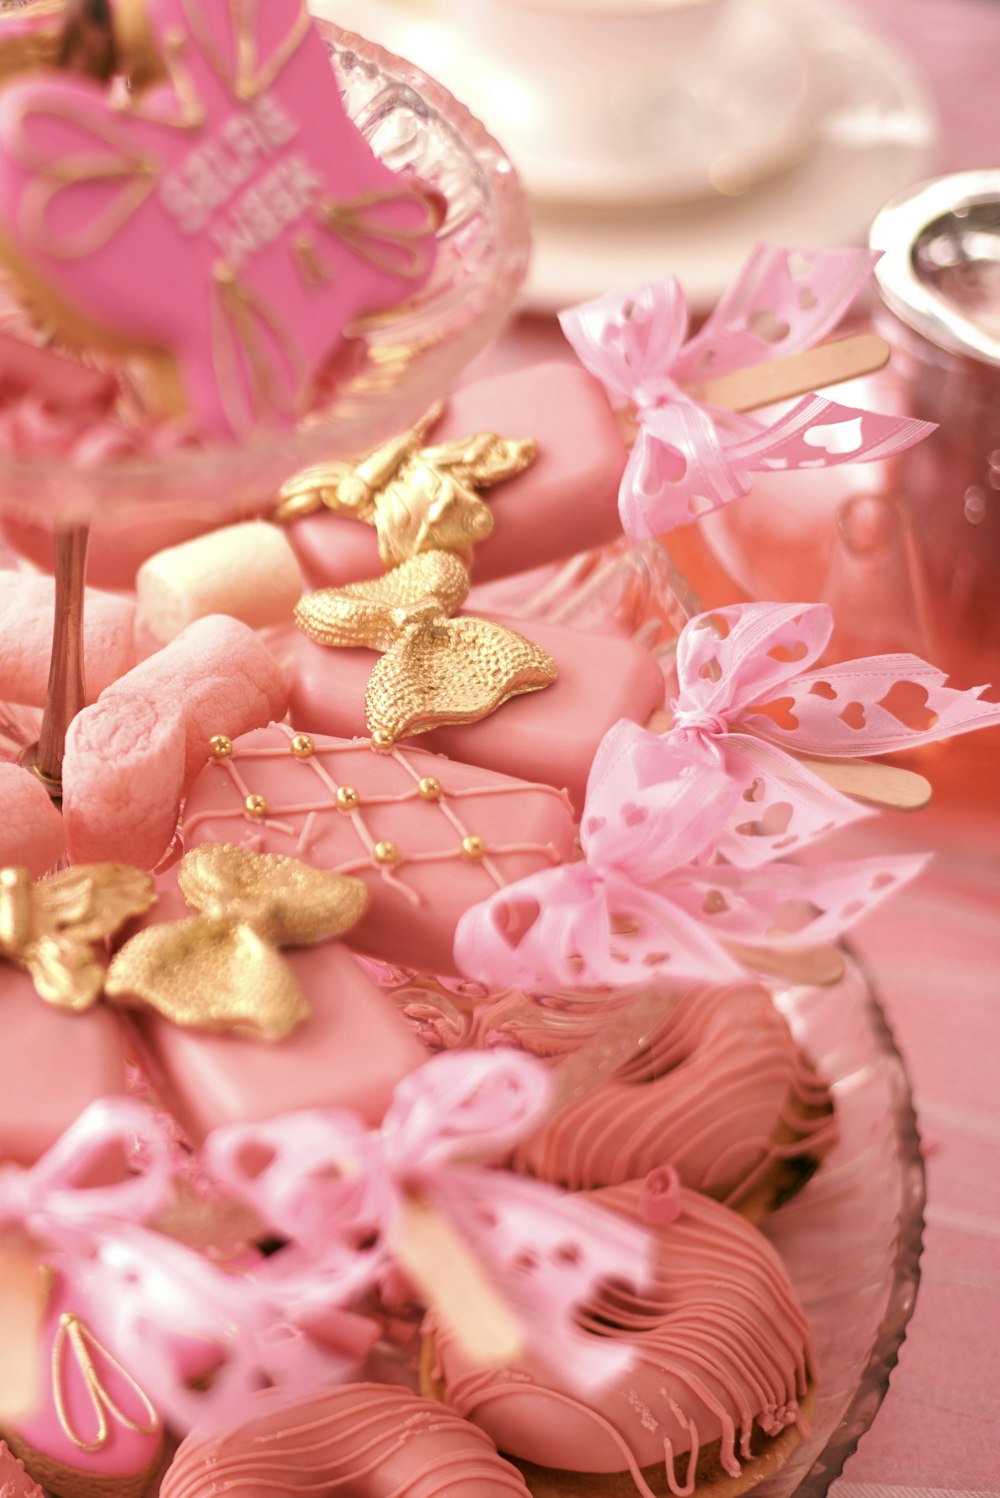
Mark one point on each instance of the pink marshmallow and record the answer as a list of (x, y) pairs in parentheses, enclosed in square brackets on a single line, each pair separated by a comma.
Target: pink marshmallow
[(123, 780), (26, 609), (131, 756), (219, 675), (32, 834)]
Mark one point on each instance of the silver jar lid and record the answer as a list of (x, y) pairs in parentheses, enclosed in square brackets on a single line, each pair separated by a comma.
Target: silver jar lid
[(940, 268)]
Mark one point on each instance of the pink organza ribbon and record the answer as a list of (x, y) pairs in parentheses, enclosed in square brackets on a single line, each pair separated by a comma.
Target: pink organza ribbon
[(735, 663), (689, 457), (336, 1189), (649, 901), (152, 1299)]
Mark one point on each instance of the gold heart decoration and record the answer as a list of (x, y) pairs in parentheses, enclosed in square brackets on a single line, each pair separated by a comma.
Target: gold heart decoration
[(222, 970)]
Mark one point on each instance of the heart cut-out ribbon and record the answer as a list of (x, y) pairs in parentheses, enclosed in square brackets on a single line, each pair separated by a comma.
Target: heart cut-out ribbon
[(648, 901), (436, 670), (223, 969), (748, 700), (339, 1193), (690, 457)]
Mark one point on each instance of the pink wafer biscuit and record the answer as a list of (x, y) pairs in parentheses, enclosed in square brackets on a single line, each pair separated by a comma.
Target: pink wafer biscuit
[(218, 675), (130, 757), (54, 1064), (350, 1053), (123, 779), (429, 837), (32, 834), (566, 501), (27, 603), (550, 736)]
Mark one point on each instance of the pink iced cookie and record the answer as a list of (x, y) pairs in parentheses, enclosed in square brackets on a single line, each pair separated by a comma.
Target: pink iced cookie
[(55, 1064), (93, 1432), (350, 1053), (26, 609), (566, 501), (551, 735), (429, 837), (236, 185), (131, 756), (32, 834)]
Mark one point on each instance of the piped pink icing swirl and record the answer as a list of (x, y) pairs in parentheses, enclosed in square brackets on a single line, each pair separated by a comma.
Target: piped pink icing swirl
[(361, 1440), (721, 1345), (721, 1093)]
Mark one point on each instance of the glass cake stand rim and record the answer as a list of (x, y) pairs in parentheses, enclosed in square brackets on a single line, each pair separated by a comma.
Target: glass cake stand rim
[(876, 1377)]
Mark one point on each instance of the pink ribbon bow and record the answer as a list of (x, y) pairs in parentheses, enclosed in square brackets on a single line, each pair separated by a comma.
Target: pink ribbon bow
[(52, 1199), (691, 458), (746, 696), (648, 901), (337, 1191)]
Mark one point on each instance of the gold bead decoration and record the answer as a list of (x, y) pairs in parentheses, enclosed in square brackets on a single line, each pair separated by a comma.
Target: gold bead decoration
[(301, 746), (220, 746), (346, 798), (429, 789), (473, 847), (382, 740), (255, 806), (385, 853)]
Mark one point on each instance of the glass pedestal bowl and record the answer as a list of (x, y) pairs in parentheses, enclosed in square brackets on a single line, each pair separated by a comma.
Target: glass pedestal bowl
[(412, 354)]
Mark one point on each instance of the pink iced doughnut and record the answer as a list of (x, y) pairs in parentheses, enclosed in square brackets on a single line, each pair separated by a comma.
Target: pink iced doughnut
[(365, 1440)]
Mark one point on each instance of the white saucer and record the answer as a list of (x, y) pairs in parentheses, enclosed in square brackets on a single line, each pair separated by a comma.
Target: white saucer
[(872, 133), (737, 111)]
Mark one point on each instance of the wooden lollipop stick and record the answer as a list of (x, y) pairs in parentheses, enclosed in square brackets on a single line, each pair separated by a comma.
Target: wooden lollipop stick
[(816, 967), (882, 785), (22, 1306), (864, 779), (450, 1279), (786, 378)]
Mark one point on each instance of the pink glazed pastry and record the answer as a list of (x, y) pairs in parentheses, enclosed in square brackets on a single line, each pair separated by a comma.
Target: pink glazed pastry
[(27, 605), (131, 756), (32, 833), (357, 1441), (241, 190), (349, 1053), (720, 1092), (429, 837), (54, 1064), (564, 502), (550, 735), (720, 1376), (93, 1432)]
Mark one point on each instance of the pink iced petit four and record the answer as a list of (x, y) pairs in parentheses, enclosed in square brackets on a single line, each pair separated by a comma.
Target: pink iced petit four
[(429, 836), (349, 1053), (565, 500), (550, 735)]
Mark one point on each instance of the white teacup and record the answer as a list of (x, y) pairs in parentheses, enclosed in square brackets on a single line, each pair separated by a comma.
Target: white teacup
[(578, 46)]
